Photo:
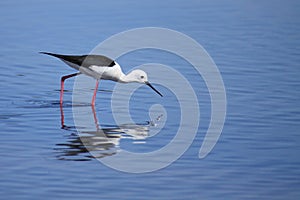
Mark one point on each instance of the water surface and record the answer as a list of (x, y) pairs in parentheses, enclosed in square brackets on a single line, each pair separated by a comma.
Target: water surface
[(254, 44)]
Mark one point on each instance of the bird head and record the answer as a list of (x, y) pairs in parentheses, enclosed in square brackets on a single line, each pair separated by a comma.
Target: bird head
[(141, 77)]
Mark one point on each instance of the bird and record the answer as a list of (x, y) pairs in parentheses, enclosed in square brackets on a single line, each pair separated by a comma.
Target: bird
[(99, 67)]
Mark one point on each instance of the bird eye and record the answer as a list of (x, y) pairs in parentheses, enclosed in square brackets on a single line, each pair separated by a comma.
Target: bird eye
[(142, 77)]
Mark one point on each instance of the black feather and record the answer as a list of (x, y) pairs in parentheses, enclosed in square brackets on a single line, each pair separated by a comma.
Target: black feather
[(85, 60)]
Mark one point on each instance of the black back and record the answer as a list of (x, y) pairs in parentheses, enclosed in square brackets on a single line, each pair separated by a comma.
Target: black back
[(85, 60)]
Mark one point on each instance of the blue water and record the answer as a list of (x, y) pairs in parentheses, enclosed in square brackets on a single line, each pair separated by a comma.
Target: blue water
[(256, 46)]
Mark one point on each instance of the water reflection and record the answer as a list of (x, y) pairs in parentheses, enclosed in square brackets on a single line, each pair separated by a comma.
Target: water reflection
[(87, 145)]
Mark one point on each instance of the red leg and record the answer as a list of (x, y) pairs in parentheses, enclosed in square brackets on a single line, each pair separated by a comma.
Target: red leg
[(62, 83), (95, 92), (62, 117), (95, 117)]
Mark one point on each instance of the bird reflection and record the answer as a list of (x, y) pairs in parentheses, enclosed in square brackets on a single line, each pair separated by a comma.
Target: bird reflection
[(87, 145)]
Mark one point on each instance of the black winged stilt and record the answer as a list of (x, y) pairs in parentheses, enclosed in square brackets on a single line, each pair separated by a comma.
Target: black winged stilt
[(99, 67)]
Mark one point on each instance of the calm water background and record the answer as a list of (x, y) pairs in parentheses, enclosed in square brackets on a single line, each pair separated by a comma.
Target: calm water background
[(255, 44)]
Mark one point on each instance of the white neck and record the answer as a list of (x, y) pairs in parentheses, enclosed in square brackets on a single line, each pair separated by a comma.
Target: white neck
[(127, 78)]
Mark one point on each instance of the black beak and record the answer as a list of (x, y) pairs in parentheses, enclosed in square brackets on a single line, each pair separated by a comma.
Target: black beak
[(147, 83)]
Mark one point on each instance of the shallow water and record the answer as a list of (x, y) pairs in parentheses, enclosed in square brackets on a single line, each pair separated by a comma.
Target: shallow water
[(256, 48)]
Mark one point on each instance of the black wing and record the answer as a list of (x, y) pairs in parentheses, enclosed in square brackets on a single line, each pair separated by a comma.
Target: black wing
[(85, 60)]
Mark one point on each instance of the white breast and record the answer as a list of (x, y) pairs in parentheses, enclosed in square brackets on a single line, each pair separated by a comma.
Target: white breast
[(102, 72)]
